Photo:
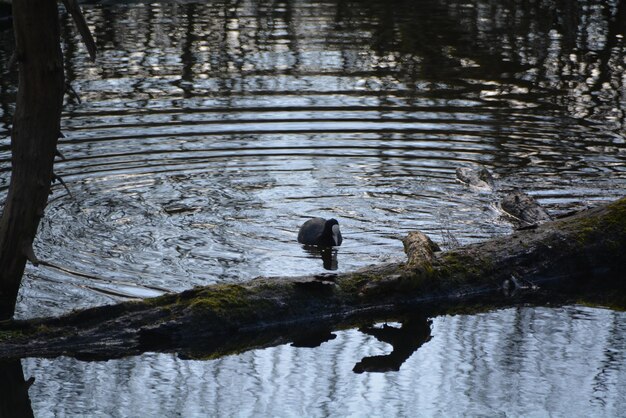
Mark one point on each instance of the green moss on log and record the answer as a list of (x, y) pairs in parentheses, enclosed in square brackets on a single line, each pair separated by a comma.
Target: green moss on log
[(613, 221), (10, 335), (354, 283), (230, 301), (222, 299), (459, 267)]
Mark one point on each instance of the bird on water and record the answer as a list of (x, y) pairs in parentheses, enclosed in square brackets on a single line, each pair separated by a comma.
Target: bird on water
[(321, 232)]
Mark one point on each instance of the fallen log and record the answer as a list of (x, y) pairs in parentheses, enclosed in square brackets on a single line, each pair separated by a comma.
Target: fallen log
[(576, 255)]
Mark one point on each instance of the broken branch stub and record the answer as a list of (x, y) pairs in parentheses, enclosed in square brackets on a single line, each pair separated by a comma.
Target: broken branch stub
[(419, 249)]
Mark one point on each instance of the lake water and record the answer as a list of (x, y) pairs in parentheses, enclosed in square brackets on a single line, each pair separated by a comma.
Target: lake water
[(208, 132)]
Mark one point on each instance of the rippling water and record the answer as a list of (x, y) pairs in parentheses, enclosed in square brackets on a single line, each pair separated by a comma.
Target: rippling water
[(516, 362), (207, 133)]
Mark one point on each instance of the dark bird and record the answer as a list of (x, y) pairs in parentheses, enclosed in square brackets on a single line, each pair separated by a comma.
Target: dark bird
[(319, 231)]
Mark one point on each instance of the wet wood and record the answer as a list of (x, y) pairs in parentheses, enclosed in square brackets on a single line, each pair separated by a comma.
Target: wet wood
[(479, 178), (420, 250), (582, 253), (523, 209), (36, 126), (79, 20)]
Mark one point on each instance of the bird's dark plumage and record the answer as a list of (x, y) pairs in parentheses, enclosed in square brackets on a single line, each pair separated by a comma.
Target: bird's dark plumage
[(319, 231)]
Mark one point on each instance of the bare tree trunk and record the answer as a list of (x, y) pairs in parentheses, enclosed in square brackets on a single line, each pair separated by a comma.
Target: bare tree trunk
[(14, 399), (36, 128)]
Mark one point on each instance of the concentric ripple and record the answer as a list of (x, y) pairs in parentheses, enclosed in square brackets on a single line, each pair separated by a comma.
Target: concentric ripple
[(207, 133)]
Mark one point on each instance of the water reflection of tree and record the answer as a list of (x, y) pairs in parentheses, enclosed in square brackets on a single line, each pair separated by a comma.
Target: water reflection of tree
[(574, 49), (14, 399), (414, 332)]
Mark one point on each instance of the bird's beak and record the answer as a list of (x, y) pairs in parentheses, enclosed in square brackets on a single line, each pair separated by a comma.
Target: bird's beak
[(336, 234)]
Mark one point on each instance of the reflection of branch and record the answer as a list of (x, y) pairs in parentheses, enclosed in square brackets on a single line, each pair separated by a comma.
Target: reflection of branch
[(414, 332), (314, 339), (14, 400), (609, 73)]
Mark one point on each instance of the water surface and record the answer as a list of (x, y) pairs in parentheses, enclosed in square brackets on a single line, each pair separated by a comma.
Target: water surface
[(208, 132), (516, 362)]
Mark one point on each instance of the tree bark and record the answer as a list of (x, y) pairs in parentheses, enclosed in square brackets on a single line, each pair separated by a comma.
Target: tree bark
[(36, 127), (581, 255)]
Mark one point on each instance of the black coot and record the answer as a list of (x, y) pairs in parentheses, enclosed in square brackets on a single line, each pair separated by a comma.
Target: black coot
[(319, 231)]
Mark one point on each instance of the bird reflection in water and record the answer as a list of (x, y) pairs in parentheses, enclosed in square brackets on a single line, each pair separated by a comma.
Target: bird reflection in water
[(405, 340), (327, 254)]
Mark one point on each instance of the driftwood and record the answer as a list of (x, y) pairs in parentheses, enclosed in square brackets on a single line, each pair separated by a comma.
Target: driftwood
[(524, 210), (479, 178), (521, 209), (583, 254)]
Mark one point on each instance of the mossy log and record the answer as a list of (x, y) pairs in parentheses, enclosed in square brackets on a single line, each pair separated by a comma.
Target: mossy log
[(577, 255)]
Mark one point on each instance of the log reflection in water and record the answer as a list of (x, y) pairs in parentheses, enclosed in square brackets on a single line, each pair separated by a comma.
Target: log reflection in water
[(414, 332)]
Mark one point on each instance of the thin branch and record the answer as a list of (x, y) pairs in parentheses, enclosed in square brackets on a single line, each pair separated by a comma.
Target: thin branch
[(72, 7), (72, 93), (60, 180), (30, 254)]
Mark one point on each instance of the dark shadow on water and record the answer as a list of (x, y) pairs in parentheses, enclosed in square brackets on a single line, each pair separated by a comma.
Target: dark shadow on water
[(14, 400), (314, 339), (327, 254), (412, 334), (414, 331)]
